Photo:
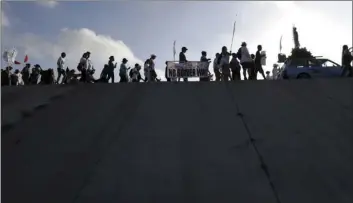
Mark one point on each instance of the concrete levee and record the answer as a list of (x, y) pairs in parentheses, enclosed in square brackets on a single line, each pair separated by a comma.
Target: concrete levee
[(263, 141)]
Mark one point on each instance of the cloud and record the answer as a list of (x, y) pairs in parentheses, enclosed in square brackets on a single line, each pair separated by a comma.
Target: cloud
[(4, 20), (74, 42), (47, 3)]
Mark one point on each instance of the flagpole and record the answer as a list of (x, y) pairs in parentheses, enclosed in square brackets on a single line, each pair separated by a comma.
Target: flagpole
[(231, 45), (174, 51)]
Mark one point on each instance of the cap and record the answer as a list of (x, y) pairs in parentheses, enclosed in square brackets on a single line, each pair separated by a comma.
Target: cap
[(124, 59), (184, 48), (153, 56)]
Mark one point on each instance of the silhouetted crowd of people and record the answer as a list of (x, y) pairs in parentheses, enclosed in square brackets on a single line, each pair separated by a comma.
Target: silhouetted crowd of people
[(227, 66)]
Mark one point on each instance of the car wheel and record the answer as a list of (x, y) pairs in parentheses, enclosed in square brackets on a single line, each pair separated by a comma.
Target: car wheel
[(303, 76)]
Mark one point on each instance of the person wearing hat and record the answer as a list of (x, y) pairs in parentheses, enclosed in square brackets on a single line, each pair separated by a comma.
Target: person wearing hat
[(149, 71), (110, 69), (123, 71), (182, 59)]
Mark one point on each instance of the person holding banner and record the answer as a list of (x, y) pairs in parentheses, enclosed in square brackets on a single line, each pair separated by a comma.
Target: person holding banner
[(205, 60), (182, 59)]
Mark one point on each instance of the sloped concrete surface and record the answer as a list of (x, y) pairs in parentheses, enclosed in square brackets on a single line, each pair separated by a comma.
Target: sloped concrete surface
[(263, 141)]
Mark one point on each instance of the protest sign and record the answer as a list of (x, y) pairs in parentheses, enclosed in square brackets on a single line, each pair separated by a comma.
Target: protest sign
[(190, 69)]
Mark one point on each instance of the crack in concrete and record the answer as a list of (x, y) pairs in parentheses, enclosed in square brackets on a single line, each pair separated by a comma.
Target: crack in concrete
[(264, 166)]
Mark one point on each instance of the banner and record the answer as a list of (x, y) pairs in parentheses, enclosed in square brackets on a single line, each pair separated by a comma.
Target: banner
[(189, 69)]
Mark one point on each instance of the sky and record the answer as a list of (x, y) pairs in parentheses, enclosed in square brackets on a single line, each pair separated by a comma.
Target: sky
[(137, 29)]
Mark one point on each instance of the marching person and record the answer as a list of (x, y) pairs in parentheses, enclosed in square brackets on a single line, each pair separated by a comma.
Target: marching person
[(61, 67), (166, 72), (123, 71), (258, 65), (251, 69), (223, 61), (135, 73), (268, 77), (346, 62), (235, 67), (26, 74), (110, 69), (245, 59), (82, 67), (216, 68), (149, 71), (182, 59), (205, 59)]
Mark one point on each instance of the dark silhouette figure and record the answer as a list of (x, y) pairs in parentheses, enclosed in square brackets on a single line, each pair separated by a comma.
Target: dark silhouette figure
[(296, 38), (26, 74), (182, 59), (346, 61), (258, 65)]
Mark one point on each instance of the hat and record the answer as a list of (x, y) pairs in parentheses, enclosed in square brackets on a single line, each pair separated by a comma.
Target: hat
[(124, 59), (184, 48), (153, 56)]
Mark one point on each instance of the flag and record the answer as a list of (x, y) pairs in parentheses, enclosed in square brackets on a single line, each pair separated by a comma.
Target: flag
[(26, 59), (17, 63), (280, 44), (174, 51)]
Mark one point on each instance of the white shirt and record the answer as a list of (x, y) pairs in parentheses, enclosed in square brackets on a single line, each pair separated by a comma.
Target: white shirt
[(61, 63), (245, 56)]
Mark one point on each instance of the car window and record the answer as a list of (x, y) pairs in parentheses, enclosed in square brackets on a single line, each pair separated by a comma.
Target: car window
[(329, 64), (313, 63), (299, 63)]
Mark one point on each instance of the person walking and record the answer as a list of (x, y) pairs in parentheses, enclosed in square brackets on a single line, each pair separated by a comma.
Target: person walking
[(245, 59), (346, 62), (223, 61), (110, 69), (258, 65), (123, 71), (235, 67), (61, 67), (204, 59), (182, 59), (216, 67)]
